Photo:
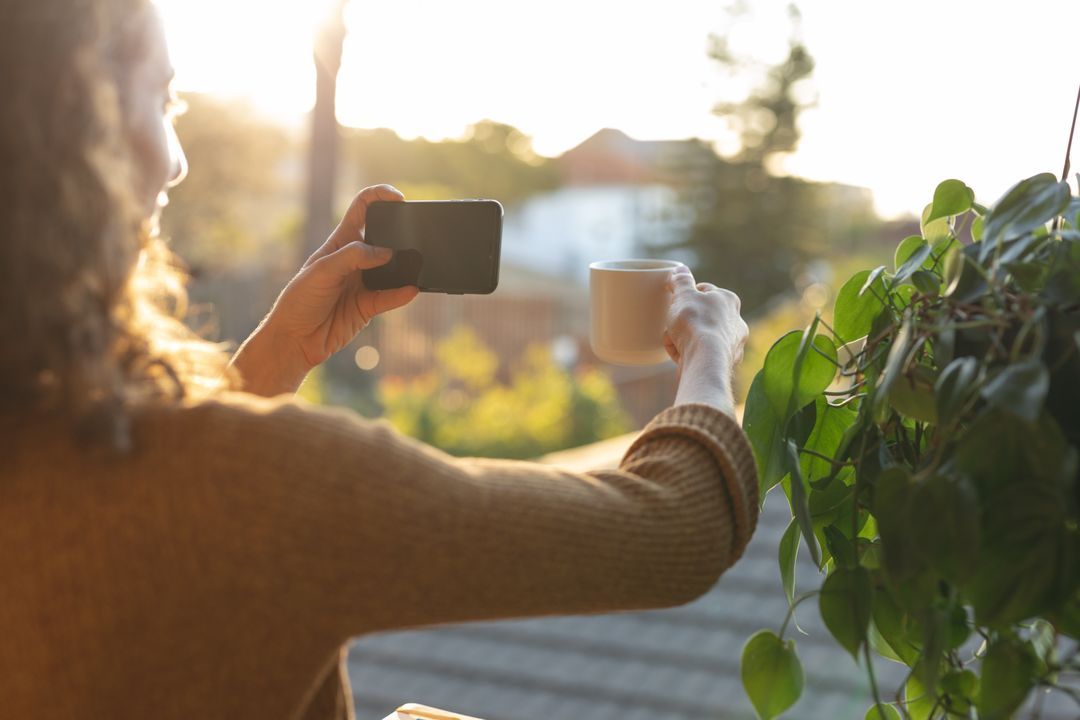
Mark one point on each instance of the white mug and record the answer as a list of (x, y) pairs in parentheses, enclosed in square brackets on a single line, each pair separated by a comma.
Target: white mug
[(628, 304)]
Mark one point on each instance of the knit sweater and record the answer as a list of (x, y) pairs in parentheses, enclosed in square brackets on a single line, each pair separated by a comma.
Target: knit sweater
[(218, 570)]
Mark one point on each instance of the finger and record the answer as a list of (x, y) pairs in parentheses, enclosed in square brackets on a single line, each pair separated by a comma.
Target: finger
[(355, 256), (681, 279), (351, 225), (386, 300)]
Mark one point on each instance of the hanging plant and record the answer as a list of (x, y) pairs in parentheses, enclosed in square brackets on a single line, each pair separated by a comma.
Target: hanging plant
[(928, 443)]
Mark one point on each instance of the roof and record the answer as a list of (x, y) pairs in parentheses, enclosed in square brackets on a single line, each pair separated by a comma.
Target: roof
[(674, 664)]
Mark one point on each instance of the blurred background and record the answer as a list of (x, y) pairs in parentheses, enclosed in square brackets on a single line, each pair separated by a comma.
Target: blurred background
[(776, 148)]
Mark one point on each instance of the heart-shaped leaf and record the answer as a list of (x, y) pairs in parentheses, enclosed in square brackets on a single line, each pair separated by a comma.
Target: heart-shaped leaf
[(855, 309), (845, 603), (1008, 675), (1029, 204), (951, 197), (771, 674), (765, 432), (816, 373)]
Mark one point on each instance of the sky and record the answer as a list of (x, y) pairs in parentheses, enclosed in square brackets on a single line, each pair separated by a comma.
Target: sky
[(907, 93)]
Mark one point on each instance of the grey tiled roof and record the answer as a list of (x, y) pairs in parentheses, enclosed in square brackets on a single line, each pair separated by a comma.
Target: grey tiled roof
[(674, 664)]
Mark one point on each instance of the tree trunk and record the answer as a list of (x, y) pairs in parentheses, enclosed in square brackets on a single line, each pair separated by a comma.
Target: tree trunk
[(322, 169)]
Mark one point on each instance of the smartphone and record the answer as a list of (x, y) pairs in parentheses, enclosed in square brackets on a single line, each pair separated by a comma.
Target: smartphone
[(441, 246)]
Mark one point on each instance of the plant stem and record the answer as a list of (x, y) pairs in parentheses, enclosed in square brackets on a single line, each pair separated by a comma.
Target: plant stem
[(833, 461), (873, 681), (1072, 131), (791, 610), (1068, 153)]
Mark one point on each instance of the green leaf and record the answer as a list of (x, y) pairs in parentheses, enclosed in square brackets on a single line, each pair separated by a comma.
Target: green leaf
[(964, 278), (917, 260), (912, 395), (831, 425), (934, 230), (960, 688), (918, 702), (954, 387), (951, 197), (882, 711), (906, 249), (893, 499), (894, 365), (978, 226), (1020, 389), (1029, 204), (845, 603), (800, 506), (766, 435), (789, 552), (815, 375), (855, 310), (841, 549), (949, 535), (896, 628), (1008, 675), (771, 674), (926, 282), (1026, 549)]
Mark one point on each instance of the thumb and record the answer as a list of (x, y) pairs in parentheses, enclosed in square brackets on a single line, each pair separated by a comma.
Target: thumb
[(355, 256), (394, 298)]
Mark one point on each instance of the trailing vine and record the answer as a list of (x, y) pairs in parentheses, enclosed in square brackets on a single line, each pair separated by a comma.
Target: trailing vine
[(928, 443)]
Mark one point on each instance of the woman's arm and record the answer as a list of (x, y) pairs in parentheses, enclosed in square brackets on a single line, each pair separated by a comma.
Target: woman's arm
[(356, 528), (353, 528), (321, 309)]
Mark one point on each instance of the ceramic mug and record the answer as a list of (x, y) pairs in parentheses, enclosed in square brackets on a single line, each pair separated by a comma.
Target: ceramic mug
[(628, 304)]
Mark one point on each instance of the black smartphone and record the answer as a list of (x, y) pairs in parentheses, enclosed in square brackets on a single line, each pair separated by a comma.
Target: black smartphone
[(441, 246)]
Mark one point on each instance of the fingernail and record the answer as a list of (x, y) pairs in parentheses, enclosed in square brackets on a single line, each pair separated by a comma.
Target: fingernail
[(382, 252)]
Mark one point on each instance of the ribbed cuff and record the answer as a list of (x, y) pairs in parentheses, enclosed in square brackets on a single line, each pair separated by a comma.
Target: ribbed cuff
[(726, 442)]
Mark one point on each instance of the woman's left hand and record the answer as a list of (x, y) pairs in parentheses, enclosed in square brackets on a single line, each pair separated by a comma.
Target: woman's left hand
[(323, 308)]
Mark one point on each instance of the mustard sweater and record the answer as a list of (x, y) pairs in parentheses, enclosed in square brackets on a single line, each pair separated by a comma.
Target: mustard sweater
[(218, 570)]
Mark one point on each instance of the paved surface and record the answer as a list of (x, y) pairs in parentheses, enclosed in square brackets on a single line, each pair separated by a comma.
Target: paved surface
[(677, 664)]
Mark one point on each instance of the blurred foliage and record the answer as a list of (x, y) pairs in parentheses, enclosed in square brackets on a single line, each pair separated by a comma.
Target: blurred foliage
[(462, 407), (237, 205), (493, 160), (755, 229)]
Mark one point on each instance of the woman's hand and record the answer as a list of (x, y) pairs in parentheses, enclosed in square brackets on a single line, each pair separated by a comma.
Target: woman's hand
[(323, 308), (705, 337)]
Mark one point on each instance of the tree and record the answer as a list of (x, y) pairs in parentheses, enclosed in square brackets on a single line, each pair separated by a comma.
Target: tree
[(493, 160), (754, 229)]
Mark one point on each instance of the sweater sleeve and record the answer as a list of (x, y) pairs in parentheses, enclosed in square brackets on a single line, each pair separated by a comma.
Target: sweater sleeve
[(349, 523)]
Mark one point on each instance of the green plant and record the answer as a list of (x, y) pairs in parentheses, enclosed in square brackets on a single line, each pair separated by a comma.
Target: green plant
[(927, 443), (463, 407)]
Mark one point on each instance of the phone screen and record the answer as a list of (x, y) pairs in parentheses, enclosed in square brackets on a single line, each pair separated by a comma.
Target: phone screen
[(448, 246)]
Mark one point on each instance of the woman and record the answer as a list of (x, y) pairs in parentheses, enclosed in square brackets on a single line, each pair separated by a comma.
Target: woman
[(172, 545)]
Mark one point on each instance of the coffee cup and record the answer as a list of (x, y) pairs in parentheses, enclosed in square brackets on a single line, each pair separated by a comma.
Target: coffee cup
[(628, 304)]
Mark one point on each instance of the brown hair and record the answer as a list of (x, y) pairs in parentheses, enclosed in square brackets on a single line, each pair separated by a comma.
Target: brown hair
[(90, 299)]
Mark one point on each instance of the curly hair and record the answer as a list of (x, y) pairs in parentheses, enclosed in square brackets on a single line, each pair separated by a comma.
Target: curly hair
[(91, 300)]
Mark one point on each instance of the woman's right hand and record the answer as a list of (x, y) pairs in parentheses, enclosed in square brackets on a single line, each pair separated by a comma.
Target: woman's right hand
[(705, 337)]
